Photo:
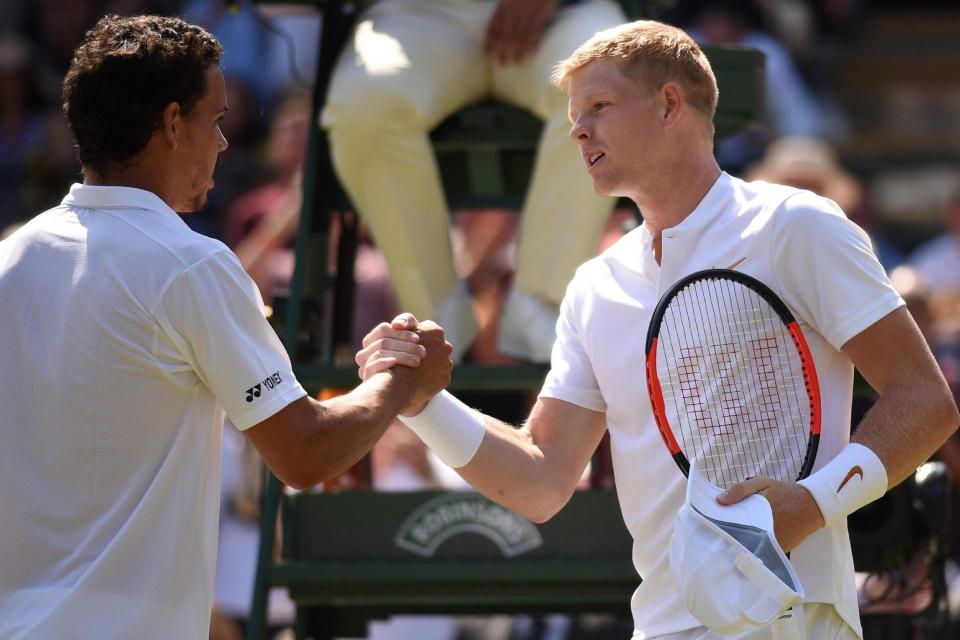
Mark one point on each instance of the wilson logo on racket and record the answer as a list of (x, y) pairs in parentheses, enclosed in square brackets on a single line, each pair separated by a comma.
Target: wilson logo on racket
[(856, 470), (731, 380)]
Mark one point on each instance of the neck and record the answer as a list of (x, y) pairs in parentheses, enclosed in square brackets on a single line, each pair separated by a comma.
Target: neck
[(134, 176), (674, 193)]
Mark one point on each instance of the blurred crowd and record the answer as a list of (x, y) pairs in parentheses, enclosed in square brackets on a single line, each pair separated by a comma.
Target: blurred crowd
[(269, 64)]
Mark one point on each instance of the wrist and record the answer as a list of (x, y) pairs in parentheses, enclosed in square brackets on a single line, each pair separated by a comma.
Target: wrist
[(413, 410), (854, 478), (452, 429)]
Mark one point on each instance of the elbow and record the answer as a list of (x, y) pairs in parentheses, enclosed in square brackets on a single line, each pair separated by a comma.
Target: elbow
[(541, 517), (297, 479), (305, 474), (549, 506), (943, 409)]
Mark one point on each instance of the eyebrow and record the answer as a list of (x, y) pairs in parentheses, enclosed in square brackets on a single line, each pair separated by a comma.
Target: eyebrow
[(586, 99)]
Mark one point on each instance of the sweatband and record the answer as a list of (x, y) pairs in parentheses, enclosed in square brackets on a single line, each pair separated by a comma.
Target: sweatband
[(452, 429), (854, 478)]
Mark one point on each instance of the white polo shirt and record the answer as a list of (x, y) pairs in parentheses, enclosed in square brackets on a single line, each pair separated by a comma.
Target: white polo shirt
[(123, 337), (817, 261)]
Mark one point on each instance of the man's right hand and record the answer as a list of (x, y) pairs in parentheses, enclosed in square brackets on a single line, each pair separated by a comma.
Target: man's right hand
[(422, 350), (390, 344)]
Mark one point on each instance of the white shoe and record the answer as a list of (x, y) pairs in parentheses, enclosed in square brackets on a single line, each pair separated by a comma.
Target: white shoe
[(528, 327), (455, 316)]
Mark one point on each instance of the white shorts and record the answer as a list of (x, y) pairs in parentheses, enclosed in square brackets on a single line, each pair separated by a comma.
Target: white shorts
[(820, 622)]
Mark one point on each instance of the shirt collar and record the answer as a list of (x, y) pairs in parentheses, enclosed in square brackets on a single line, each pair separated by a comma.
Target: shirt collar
[(633, 249), (708, 209), (98, 197)]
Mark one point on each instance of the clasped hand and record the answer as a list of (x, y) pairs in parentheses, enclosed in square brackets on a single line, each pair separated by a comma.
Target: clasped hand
[(420, 347)]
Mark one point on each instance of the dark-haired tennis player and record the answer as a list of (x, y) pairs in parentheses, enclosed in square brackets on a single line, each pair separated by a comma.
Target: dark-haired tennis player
[(123, 339), (642, 99)]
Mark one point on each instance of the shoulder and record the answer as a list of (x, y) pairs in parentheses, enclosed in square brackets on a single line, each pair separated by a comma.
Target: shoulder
[(787, 206), (163, 234), (773, 195)]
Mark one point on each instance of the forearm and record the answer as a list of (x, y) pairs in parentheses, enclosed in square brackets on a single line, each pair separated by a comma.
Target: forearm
[(533, 470), (326, 438), (510, 469), (348, 426), (908, 423)]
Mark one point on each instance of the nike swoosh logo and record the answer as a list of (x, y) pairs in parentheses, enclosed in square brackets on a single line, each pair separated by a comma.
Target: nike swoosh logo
[(856, 470), (736, 264)]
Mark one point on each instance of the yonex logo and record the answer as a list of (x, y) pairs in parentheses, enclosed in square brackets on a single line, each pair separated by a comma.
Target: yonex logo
[(270, 382)]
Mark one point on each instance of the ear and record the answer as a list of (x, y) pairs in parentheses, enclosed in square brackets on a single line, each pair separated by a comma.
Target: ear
[(172, 127), (674, 103)]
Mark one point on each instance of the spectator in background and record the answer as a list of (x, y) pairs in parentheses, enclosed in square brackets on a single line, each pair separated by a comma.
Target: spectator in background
[(792, 109), (811, 163), (36, 154), (56, 28), (21, 127), (261, 224), (267, 53), (392, 85), (943, 335), (938, 260)]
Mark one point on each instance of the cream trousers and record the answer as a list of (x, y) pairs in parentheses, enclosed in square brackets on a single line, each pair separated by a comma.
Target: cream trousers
[(409, 65)]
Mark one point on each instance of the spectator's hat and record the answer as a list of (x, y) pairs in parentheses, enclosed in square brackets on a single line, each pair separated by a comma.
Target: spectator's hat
[(808, 163)]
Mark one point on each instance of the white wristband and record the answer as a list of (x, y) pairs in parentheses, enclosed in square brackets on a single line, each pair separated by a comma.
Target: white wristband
[(452, 429), (854, 478)]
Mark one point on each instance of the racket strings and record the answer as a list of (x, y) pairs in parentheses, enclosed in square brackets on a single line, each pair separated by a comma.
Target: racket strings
[(733, 381)]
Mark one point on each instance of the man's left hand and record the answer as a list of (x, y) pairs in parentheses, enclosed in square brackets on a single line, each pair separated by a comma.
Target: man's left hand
[(795, 512), (516, 27)]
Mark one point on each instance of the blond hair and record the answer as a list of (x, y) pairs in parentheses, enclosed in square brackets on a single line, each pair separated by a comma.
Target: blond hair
[(652, 52)]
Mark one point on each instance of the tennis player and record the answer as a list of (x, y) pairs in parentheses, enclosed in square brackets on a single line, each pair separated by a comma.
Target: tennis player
[(641, 99), (123, 339)]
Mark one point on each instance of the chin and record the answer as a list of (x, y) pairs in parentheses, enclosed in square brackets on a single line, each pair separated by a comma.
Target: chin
[(196, 205), (602, 188)]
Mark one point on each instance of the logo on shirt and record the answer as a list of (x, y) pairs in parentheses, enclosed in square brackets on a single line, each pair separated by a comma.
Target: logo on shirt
[(855, 471), (268, 383)]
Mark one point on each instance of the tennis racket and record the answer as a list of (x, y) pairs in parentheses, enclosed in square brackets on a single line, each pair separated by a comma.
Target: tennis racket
[(731, 380)]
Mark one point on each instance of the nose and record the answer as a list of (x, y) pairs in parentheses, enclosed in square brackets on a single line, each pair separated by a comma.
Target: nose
[(579, 132), (222, 143)]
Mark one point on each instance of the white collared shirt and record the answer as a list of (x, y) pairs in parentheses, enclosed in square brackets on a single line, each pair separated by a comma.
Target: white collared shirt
[(817, 261), (124, 337)]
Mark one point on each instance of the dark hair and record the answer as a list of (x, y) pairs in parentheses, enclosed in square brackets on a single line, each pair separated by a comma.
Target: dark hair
[(123, 76)]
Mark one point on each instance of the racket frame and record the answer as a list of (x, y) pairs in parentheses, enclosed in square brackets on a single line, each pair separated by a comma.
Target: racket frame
[(808, 368)]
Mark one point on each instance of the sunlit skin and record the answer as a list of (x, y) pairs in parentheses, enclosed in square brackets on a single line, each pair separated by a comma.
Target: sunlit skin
[(647, 145), (179, 161)]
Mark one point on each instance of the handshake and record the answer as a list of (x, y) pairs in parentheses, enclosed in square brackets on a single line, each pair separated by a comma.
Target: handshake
[(420, 349)]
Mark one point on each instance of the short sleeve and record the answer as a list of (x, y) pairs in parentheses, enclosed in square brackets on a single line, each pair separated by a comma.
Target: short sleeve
[(571, 376), (213, 313), (827, 270)]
